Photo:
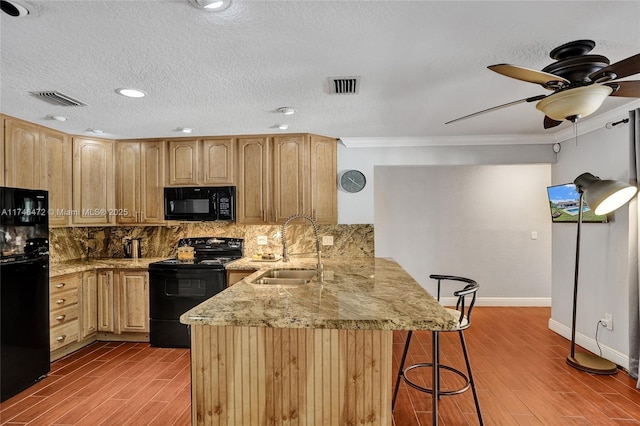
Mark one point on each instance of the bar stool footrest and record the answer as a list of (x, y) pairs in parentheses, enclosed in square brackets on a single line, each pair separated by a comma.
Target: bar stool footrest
[(445, 392)]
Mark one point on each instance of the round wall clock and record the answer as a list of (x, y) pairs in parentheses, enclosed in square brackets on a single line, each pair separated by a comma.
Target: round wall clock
[(352, 181)]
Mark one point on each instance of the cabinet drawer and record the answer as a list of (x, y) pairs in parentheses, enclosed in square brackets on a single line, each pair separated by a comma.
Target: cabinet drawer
[(62, 299), (63, 315), (63, 283), (62, 335)]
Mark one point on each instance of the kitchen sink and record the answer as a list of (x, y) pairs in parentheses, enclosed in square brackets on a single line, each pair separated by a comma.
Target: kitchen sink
[(286, 277)]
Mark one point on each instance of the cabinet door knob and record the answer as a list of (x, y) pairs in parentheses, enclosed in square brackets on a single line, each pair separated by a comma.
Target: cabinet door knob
[(61, 338), (61, 318), (60, 285), (60, 301)]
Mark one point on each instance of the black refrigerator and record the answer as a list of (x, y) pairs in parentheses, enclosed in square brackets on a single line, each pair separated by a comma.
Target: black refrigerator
[(24, 289)]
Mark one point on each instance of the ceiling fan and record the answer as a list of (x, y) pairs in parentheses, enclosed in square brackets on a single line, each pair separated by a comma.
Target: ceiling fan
[(580, 82)]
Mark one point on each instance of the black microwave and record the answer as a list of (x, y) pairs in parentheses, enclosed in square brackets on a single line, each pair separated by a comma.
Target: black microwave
[(200, 203)]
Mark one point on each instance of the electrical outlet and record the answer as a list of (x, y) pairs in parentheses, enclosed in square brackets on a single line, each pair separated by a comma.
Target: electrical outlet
[(327, 240), (608, 321), (262, 240)]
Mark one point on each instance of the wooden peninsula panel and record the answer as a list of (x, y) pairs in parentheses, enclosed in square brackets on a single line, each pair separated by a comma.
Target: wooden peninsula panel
[(290, 376)]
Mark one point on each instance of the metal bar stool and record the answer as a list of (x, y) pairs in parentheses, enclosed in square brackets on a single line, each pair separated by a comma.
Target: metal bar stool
[(463, 313)]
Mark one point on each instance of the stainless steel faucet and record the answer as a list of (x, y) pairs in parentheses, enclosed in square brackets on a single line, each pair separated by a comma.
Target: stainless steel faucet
[(285, 255)]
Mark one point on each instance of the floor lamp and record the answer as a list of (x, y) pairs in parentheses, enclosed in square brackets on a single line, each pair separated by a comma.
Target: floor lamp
[(603, 196)]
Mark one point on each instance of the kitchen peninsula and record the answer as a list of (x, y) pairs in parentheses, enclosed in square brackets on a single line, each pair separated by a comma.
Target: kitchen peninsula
[(312, 354)]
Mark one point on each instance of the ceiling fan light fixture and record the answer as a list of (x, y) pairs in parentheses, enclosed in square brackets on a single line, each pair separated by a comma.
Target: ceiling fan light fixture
[(574, 103)]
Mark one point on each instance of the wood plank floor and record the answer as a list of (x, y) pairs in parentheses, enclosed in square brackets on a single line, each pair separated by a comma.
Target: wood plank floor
[(519, 366)]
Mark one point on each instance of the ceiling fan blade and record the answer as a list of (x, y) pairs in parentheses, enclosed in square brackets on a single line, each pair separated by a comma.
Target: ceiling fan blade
[(621, 69), (550, 122), (548, 81), (626, 89), (531, 99)]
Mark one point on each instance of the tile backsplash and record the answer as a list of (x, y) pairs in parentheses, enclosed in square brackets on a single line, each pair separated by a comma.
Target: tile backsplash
[(161, 241)]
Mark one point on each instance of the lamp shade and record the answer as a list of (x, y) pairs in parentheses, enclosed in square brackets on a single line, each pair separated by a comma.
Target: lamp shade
[(604, 196), (574, 103)]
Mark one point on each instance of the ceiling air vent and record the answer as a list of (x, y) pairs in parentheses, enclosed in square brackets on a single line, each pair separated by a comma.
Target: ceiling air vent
[(344, 85), (57, 98)]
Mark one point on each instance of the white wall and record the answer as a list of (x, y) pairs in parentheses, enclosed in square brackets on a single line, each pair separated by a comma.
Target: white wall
[(527, 278), (604, 249), (473, 221), (358, 208)]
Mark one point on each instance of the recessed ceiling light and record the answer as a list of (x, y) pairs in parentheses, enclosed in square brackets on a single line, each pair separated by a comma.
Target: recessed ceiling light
[(13, 8), (57, 117), (96, 131), (211, 5), (130, 93), (286, 110), (282, 126), (184, 129)]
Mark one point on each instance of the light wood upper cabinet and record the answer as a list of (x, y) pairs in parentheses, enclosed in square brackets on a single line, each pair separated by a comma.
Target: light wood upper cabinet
[(323, 168), (152, 161), (22, 154), (201, 162), (217, 158), (93, 182), (55, 175), (134, 301), (290, 172), (183, 162), (103, 182), (280, 176), (2, 168), (253, 189), (139, 182), (40, 158)]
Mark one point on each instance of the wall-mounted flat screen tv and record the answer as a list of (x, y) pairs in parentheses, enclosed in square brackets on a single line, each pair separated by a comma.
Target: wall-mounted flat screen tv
[(564, 201)]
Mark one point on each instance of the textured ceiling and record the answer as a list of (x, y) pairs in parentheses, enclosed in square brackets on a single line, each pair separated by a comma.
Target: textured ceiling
[(422, 63)]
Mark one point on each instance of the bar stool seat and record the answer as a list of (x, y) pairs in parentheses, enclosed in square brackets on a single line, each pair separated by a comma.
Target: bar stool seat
[(465, 300)]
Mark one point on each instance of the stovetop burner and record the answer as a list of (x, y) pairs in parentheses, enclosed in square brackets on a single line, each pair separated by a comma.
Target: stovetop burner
[(209, 252)]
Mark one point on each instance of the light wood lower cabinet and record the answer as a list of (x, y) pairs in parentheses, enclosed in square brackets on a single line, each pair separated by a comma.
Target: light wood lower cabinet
[(280, 376), (134, 301), (106, 298), (103, 304), (89, 305), (64, 324), (123, 305)]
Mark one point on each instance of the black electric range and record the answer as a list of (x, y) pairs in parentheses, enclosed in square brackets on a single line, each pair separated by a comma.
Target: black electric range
[(177, 286)]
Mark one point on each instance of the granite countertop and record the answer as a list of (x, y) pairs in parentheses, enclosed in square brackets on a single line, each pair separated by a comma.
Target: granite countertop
[(82, 265), (358, 293)]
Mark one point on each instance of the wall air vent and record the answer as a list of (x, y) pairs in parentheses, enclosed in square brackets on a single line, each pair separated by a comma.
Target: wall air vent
[(344, 85), (57, 98)]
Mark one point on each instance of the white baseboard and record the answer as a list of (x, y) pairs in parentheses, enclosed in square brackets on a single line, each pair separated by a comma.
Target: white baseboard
[(503, 301), (590, 344)]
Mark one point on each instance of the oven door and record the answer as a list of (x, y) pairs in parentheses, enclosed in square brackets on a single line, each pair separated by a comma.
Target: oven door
[(172, 292)]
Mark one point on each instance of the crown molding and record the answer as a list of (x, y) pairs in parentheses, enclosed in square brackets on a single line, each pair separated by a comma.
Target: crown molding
[(585, 126), (405, 142)]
